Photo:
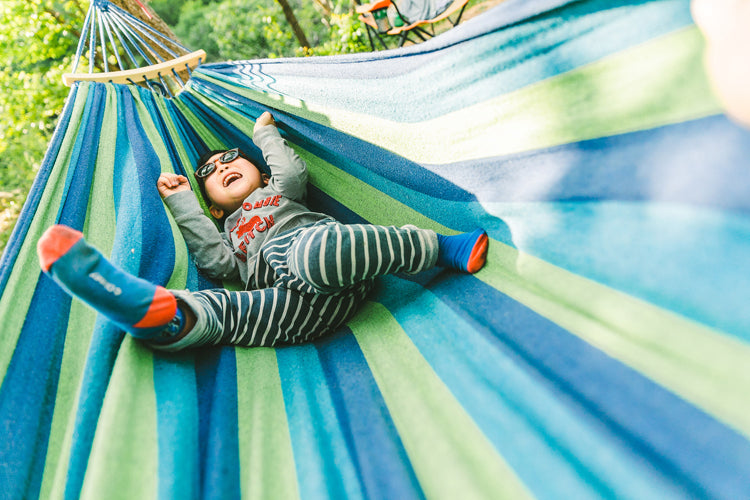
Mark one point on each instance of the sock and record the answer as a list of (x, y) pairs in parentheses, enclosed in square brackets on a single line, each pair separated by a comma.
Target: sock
[(465, 252), (141, 308)]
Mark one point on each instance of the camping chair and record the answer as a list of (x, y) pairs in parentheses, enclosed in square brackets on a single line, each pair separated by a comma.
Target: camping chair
[(380, 22)]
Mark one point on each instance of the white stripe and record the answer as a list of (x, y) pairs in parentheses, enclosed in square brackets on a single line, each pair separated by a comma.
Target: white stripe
[(281, 253), (377, 247), (312, 330), (323, 310), (334, 318), (354, 255), (367, 253), (270, 321), (339, 271), (422, 246), (286, 307), (352, 303), (403, 253), (306, 257), (390, 252), (294, 319), (246, 326), (304, 323), (413, 250), (257, 323), (322, 259), (241, 335), (231, 318)]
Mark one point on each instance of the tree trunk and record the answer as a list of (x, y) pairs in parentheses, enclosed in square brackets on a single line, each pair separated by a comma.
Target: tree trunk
[(292, 19), (139, 10)]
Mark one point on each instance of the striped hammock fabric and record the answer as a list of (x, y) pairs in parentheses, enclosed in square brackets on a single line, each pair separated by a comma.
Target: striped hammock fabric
[(604, 352)]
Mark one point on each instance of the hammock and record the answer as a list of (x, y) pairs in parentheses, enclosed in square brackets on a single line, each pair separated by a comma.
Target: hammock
[(602, 353)]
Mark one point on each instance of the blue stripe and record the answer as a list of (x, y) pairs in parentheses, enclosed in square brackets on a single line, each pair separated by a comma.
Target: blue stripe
[(100, 360), (216, 374), (154, 236), (700, 162), (371, 436), (314, 428), (75, 196), (29, 389)]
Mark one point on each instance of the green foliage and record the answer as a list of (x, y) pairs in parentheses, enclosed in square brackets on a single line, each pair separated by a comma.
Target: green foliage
[(249, 29), (347, 35), (37, 40)]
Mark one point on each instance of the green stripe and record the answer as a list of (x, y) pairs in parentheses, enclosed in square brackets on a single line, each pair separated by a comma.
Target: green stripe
[(437, 433), (22, 281), (101, 211), (657, 83), (243, 123), (701, 365), (360, 197), (124, 456), (266, 458)]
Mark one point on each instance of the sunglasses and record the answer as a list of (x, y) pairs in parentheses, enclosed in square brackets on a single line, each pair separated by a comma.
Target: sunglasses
[(208, 168)]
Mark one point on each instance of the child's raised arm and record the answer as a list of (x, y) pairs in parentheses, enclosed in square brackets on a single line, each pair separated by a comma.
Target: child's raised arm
[(288, 170)]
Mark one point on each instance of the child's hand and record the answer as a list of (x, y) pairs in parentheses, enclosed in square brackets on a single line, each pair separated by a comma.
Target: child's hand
[(263, 120), (169, 184)]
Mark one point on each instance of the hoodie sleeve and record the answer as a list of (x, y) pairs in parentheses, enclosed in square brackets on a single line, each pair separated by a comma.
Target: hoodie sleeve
[(212, 252), (288, 170)]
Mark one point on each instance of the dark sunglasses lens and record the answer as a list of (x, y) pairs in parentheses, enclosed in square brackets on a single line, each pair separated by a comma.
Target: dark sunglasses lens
[(205, 170), (230, 155)]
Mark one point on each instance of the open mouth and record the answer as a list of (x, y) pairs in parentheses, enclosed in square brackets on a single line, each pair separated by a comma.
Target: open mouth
[(231, 178)]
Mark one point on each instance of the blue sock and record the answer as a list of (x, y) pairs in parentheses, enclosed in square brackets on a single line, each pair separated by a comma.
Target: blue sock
[(139, 307), (465, 252)]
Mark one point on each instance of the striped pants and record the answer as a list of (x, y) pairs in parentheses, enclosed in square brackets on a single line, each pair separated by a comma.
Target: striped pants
[(307, 282)]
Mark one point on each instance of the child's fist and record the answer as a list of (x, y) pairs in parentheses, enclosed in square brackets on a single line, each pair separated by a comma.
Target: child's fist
[(263, 120), (169, 184)]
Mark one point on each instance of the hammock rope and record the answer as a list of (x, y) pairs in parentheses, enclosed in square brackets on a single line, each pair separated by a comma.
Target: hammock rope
[(602, 353), (138, 48)]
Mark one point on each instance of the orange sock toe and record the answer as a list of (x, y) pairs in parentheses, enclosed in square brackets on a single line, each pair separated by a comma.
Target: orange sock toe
[(478, 255), (54, 243)]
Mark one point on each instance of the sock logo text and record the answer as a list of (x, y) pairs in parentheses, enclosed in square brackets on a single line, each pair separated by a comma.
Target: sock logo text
[(106, 284)]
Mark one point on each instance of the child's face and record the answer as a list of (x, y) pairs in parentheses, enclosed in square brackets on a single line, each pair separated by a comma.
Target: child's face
[(230, 183)]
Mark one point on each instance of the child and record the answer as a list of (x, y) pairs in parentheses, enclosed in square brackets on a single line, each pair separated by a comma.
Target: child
[(304, 272)]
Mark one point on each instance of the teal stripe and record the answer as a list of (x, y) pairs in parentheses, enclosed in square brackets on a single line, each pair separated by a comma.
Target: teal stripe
[(681, 253), (315, 429), (177, 426)]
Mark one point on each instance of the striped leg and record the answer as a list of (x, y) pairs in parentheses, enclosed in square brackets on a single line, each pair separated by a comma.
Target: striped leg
[(266, 317), (332, 257)]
